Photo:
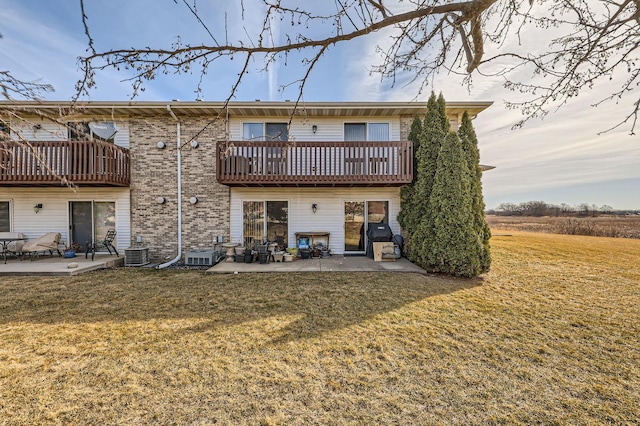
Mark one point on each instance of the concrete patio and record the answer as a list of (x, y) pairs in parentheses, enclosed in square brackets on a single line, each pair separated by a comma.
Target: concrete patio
[(336, 263), (58, 266)]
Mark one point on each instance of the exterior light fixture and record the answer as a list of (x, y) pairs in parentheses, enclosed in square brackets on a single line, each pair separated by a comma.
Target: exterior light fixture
[(314, 129), (161, 145), (314, 208), (161, 200), (37, 208), (194, 144), (193, 200)]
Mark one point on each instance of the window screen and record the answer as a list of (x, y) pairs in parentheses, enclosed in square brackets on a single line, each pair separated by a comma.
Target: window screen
[(366, 131), (378, 132), (277, 132), (5, 226), (355, 132), (252, 131)]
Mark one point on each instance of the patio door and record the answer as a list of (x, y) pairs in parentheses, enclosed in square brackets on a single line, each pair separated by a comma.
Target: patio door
[(90, 220), (265, 219), (357, 216)]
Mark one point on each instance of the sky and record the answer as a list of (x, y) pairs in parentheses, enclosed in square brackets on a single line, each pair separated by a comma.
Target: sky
[(563, 158)]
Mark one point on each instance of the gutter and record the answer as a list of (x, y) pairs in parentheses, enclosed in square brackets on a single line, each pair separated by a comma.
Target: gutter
[(179, 161)]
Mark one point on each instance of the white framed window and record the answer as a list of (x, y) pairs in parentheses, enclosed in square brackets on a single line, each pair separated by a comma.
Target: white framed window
[(268, 159), (262, 131), (4, 130), (368, 131), (98, 130)]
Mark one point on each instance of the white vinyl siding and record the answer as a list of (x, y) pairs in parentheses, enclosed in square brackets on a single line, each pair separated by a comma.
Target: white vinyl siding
[(329, 216), (54, 215), (328, 128), (122, 137), (38, 129)]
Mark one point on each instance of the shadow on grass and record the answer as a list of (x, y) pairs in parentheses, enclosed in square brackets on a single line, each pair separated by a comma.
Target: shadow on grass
[(319, 302)]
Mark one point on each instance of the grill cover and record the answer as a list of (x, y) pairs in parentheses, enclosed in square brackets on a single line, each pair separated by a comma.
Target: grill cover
[(377, 232)]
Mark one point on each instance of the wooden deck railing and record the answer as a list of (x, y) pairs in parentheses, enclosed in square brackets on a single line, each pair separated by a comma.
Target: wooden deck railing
[(47, 163), (275, 163)]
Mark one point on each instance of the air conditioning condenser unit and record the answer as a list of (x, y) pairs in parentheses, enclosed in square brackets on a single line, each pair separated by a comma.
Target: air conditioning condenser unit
[(136, 256), (201, 257)]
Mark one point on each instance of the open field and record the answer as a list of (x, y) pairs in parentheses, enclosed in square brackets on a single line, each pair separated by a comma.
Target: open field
[(601, 226), (549, 336)]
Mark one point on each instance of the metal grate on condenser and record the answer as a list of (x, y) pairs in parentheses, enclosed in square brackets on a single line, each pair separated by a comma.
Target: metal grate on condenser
[(201, 257), (136, 256)]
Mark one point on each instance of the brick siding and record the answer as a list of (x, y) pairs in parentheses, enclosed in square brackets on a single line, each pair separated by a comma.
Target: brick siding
[(154, 174)]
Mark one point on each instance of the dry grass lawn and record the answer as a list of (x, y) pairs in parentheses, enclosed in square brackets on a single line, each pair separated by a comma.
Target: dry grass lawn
[(601, 226), (549, 336)]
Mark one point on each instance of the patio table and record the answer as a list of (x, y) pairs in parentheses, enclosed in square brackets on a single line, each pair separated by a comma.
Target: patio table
[(5, 242)]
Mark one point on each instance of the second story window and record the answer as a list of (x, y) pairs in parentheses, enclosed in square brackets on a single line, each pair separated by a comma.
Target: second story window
[(104, 131), (265, 131), (4, 131), (78, 131), (366, 131)]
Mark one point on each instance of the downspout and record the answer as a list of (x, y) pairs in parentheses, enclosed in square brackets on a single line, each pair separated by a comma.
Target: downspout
[(179, 160)]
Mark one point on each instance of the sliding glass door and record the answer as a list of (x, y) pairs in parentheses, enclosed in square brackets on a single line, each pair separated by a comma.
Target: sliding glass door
[(265, 219), (356, 222), (90, 220)]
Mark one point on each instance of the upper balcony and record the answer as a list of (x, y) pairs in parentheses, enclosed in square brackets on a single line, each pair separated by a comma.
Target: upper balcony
[(53, 163), (277, 163)]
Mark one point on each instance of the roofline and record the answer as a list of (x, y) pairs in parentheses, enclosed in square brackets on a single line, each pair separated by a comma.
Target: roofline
[(235, 104), (236, 107)]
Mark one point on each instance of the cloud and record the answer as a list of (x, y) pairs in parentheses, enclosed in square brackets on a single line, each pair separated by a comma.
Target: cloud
[(560, 155), (557, 155)]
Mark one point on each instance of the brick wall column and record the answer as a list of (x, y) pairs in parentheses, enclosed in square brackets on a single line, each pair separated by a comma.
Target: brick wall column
[(154, 175)]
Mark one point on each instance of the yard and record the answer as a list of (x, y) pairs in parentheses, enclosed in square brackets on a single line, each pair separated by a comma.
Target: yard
[(549, 336)]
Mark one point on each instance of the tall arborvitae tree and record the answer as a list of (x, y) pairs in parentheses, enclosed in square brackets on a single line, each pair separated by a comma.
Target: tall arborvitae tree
[(433, 134), (414, 136), (470, 147), (442, 211), (442, 110), (406, 217), (455, 247)]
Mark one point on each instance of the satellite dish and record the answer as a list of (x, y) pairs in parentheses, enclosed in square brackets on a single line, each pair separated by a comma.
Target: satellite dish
[(104, 130)]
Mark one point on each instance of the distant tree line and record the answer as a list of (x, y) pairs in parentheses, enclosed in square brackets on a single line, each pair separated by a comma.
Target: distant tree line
[(541, 208)]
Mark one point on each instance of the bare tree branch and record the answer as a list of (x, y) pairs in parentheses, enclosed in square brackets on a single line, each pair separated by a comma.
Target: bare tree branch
[(86, 28), (12, 87), (424, 37)]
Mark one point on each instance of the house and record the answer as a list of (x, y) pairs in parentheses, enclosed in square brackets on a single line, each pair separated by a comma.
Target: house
[(176, 176)]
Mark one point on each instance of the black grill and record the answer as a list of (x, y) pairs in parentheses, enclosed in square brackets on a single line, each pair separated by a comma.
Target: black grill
[(376, 233)]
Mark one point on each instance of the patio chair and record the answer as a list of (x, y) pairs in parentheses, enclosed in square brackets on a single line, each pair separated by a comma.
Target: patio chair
[(107, 243), (48, 242)]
